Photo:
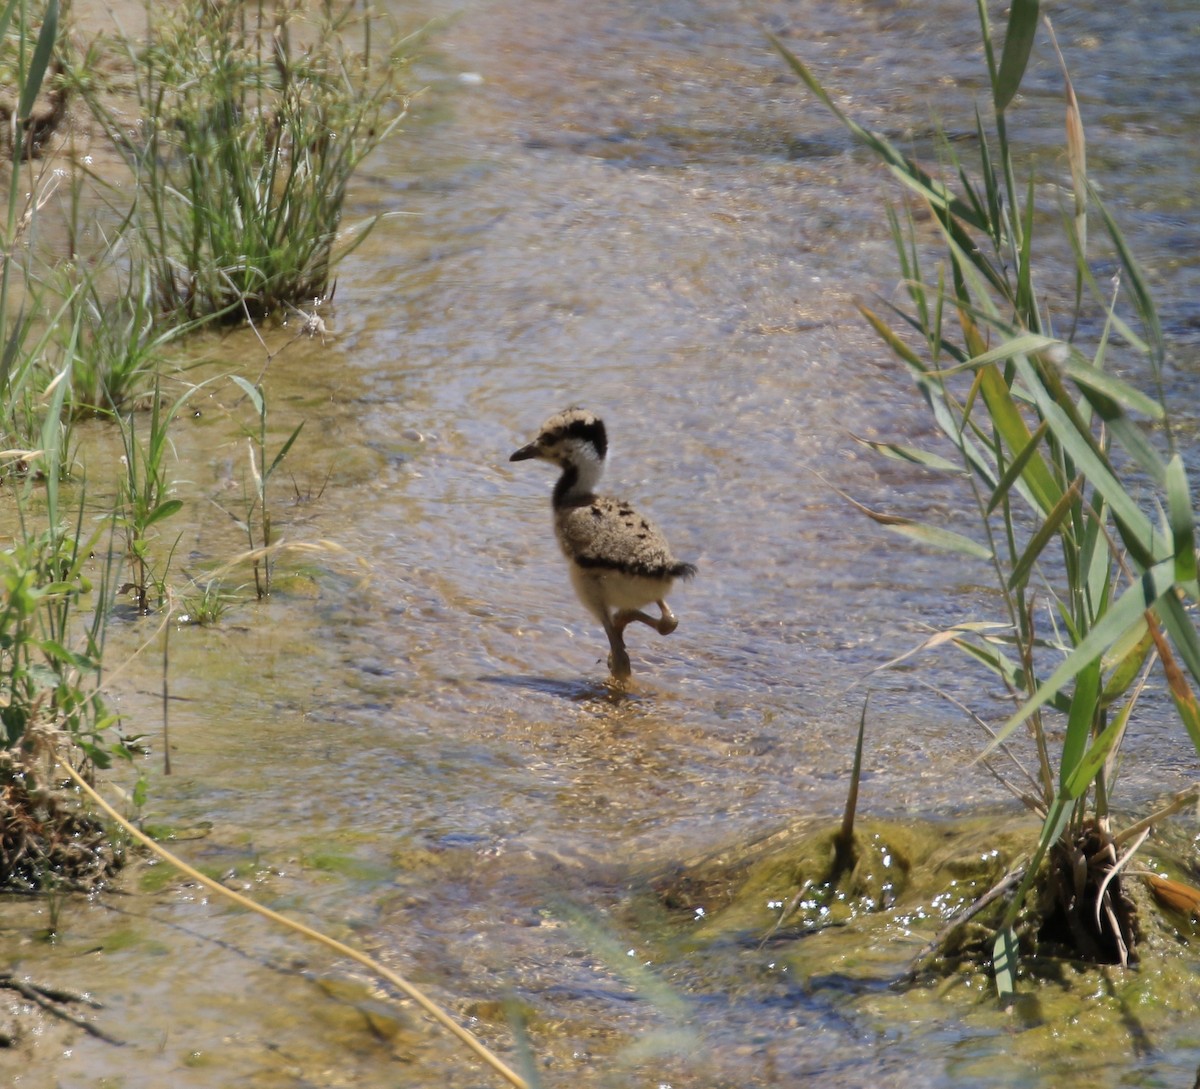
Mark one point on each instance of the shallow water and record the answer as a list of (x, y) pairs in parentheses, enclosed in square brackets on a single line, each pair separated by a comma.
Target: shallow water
[(635, 208)]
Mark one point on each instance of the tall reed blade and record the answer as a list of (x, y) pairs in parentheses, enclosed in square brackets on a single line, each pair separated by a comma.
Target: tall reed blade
[(1018, 43), (39, 62)]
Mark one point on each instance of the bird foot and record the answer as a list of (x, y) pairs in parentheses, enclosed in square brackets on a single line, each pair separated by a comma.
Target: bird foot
[(618, 664), (664, 625)]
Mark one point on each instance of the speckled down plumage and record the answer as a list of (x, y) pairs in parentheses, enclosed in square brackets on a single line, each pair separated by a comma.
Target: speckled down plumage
[(604, 533)]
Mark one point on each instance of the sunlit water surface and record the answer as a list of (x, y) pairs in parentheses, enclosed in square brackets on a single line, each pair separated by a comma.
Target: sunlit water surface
[(631, 207)]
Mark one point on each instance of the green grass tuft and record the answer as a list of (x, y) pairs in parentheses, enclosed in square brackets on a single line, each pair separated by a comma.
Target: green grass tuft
[(253, 121)]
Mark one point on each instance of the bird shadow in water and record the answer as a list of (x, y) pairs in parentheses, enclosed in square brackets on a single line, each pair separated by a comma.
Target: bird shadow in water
[(578, 691)]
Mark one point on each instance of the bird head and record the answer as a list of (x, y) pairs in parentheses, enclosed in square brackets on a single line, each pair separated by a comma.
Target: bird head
[(574, 437)]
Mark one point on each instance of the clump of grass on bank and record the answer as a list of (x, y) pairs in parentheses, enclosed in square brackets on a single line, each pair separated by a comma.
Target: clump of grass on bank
[(251, 121), (1095, 589), (51, 664), (50, 649)]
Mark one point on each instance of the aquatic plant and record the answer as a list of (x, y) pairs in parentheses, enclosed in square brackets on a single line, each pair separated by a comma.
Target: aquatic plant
[(1063, 471), (253, 119), (116, 345), (204, 603), (261, 545), (144, 500)]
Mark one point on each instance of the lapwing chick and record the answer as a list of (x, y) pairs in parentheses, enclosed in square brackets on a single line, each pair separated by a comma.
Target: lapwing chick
[(619, 561)]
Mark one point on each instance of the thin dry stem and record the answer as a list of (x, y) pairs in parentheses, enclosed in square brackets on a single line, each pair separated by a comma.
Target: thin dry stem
[(399, 982)]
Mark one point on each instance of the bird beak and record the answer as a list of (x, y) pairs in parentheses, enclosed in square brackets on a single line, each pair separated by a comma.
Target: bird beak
[(525, 453)]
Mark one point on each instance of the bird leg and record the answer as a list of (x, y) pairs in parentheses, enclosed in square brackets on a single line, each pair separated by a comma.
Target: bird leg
[(664, 625), (618, 658), (614, 628)]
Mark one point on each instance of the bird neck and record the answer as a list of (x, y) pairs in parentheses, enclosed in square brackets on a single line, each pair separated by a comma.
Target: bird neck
[(577, 483)]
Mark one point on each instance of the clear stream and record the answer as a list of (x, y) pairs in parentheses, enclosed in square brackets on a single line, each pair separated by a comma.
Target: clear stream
[(632, 207)]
